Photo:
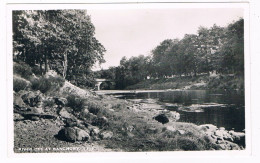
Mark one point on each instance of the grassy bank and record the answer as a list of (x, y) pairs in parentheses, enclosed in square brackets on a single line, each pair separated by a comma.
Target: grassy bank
[(199, 82)]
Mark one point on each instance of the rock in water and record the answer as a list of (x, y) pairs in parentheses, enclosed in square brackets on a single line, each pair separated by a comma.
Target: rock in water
[(173, 116), (236, 135), (73, 134), (162, 118)]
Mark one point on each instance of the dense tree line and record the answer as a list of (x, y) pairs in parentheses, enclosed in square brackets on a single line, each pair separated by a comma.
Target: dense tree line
[(61, 40), (216, 49)]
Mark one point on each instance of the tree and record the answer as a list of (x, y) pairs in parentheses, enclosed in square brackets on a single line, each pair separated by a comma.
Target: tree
[(131, 71), (61, 39), (160, 58), (232, 49), (190, 57)]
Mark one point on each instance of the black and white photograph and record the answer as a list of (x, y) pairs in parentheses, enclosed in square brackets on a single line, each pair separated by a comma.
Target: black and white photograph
[(129, 78)]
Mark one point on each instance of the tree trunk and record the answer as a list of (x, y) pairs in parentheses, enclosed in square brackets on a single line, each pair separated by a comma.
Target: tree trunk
[(65, 65), (41, 66), (46, 63), (24, 55)]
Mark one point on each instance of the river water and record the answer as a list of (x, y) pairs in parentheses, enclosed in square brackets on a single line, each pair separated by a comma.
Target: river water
[(220, 108)]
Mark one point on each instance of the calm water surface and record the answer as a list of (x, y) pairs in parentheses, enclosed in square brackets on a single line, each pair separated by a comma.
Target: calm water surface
[(221, 108)]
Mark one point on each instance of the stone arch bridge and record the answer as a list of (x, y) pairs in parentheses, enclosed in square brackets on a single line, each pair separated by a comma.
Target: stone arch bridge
[(98, 82)]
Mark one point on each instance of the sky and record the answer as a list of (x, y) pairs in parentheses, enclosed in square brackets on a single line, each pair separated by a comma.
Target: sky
[(132, 32)]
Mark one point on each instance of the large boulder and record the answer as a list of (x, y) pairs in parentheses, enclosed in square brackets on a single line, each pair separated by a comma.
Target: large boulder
[(232, 146), (237, 136), (227, 145), (167, 116), (170, 128), (162, 118), (94, 131), (36, 110), (106, 135), (70, 122), (51, 73), (172, 116), (100, 121), (18, 101), (33, 99), (209, 130), (17, 117), (224, 134), (208, 127), (180, 132), (60, 101), (73, 134), (69, 89), (64, 113)]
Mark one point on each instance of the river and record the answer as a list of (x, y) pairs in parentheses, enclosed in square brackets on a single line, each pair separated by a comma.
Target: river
[(220, 108)]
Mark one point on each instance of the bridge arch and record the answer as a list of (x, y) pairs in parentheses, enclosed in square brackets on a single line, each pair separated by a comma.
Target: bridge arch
[(100, 81)]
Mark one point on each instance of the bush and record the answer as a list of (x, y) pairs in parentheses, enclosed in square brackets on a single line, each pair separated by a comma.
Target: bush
[(22, 69), (48, 102), (48, 84), (94, 107), (19, 84), (76, 103), (36, 70)]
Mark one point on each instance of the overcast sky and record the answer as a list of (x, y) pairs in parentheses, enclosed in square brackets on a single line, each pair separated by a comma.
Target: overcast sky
[(133, 32)]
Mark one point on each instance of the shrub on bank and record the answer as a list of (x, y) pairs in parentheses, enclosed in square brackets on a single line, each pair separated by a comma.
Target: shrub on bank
[(36, 70), (49, 102), (47, 84), (76, 102), (19, 84), (94, 107), (22, 69), (226, 82)]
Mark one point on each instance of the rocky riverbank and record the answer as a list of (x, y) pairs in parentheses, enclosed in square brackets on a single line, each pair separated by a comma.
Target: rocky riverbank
[(71, 119), (44, 124), (230, 140), (227, 140)]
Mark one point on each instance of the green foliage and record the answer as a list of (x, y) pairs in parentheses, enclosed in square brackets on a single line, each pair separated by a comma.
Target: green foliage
[(22, 69), (47, 85), (19, 84)]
